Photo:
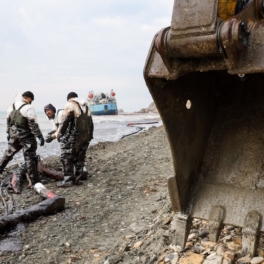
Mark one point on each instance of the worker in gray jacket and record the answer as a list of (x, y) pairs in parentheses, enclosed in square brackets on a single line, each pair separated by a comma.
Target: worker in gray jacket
[(22, 130), (74, 134)]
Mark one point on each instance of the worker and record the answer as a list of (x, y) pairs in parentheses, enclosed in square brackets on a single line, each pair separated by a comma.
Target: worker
[(74, 134), (55, 118), (22, 130)]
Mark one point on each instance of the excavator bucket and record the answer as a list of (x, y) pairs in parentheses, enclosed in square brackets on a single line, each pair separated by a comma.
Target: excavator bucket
[(206, 76)]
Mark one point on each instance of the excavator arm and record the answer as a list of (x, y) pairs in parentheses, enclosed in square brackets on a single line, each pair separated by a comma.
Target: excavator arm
[(206, 73)]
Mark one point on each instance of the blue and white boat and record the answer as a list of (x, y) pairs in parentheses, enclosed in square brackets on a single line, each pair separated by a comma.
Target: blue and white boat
[(102, 103)]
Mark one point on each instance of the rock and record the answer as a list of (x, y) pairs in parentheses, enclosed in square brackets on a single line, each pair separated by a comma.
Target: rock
[(244, 260), (227, 261), (233, 246), (256, 260), (208, 244), (214, 260), (238, 241), (211, 256), (130, 236), (198, 248), (203, 233), (173, 258), (189, 244), (67, 244), (124, 247), (138, 244), (220, 249), (112, 260), (26, 247), (260, 253), (192, 258), (227, 238), (194, 231), (229, 228), (229, 255), (192, 236)]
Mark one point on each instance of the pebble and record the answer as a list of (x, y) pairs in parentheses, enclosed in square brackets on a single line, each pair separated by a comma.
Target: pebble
[(228, 238), (233, 246), (191, 258), (198, 248), (208, 244), (26, 247), (67, 244), (244, 260), (214, 260), (256, 260), (112, 260), (229, 228), (203, 233), (173, 258), (192, 236), (138, 244), (130, 236)]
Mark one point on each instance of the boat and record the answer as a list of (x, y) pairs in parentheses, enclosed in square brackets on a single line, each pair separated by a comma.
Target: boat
[(102, 103)]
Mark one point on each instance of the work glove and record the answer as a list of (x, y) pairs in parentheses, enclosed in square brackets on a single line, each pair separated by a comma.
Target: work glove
[(41, 139), (48, 138), (8, 136), (52, 132), (59, 136)]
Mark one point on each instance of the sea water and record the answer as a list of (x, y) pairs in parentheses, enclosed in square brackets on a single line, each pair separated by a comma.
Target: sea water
[(106, 128)]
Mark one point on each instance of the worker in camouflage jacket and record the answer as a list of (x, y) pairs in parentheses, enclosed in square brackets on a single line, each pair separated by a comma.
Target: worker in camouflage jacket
[(22, 130), (74, 134)]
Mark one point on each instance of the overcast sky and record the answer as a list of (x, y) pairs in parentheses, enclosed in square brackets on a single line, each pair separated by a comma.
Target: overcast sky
[(53, 47)]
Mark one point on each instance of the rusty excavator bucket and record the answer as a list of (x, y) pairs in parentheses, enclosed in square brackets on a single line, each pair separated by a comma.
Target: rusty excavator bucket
[(206, 76)]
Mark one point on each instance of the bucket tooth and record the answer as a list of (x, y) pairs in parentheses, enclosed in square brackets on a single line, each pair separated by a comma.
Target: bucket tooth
[(250, 233), (215, 222), (183, 226), (173, 192)]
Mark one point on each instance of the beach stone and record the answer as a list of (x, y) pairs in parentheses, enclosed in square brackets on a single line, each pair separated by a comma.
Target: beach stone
[(211, 256), (244, 260), (173, 258), (208, 244), (238, 241), (227, 261), (220, 249), (192, 236), (228, 238), (138, 244), (198, 248), (130, 236), (112, 260), (194, 231), (189, 244), (260, 253), (214, 260), (192, 258), (124, 247), (203, 233), (256, 260), (230, 255), (233, 246)]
